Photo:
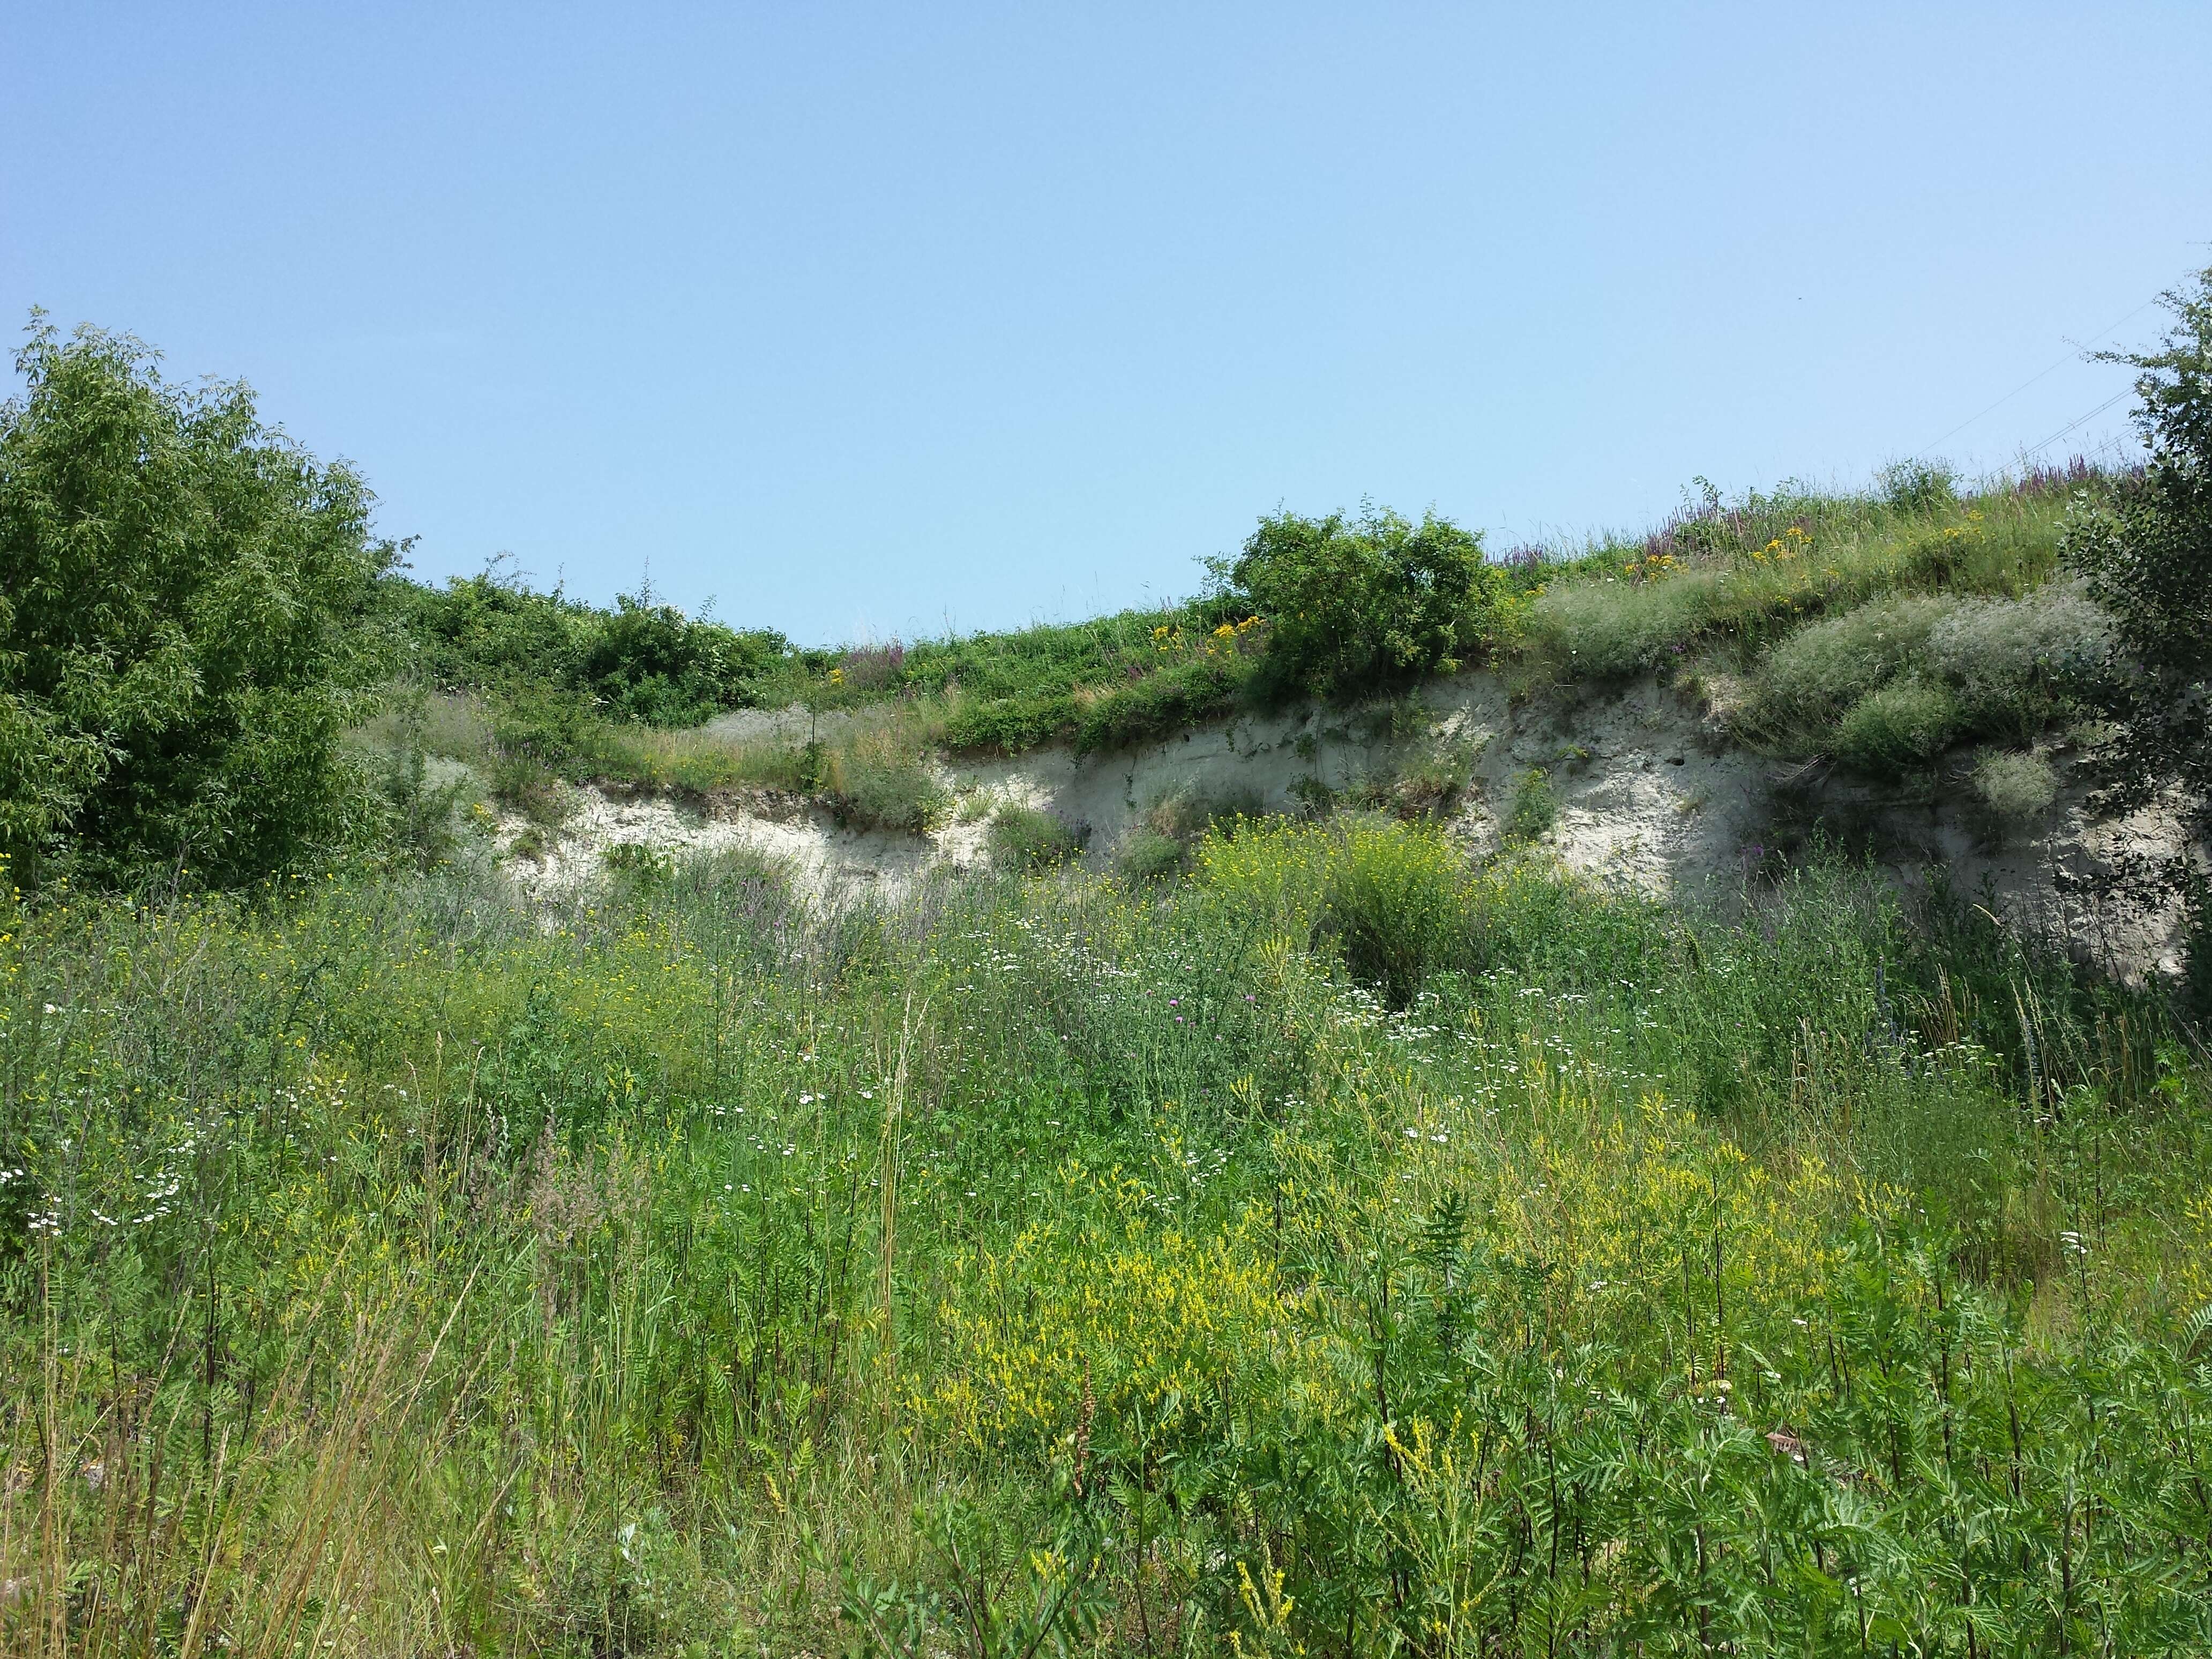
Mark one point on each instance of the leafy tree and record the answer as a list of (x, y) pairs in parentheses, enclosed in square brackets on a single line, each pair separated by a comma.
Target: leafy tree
[(182, 599), (651, 662), (479, 632), (643, 660), (1361, 605), (2147, 556)]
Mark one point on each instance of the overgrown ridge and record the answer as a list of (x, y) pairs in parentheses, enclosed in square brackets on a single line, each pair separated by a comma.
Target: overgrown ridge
[(1883, 675), (1643, 783), (1419, 1103)]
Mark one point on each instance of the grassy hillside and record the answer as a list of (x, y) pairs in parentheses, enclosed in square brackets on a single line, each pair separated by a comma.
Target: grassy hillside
[(1342, 1252), (1881, 629)]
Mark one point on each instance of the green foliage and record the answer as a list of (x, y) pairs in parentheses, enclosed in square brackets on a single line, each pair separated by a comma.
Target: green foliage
[(1008, 726), (1536, 807), (643, 660), (1424, 784), (638, 867), (650, 662), (1145, 854), (1026, 841), (530, 740), (2147, 556), (2019, 786), (1740, 578), (1156, 706), (1160, 844), (1044, 1266), (1814, 677), (183, 596), (488, 631), (2013, 663), (425, 800), (1392, 906), (1354, 606), (1057, 656), (881, 780), (1889, 685), (1919, 485), (1600, 629), (1430, 784), (1905, 724), (1120, 681)]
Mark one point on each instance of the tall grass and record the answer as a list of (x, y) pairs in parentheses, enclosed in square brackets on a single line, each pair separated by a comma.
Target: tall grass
[(1743, 578), (1337, 1250)]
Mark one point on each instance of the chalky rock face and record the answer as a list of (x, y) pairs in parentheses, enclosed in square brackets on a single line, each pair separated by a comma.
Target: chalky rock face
[(1644, 785)]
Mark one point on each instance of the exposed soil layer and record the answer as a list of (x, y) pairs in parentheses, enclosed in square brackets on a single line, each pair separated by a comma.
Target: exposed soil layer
[(1642, 785)]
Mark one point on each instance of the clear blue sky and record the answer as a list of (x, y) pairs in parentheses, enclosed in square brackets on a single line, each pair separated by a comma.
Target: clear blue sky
[(870, 320)]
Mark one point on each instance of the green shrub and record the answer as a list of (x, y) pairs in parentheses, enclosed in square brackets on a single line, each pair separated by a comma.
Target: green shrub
[(1026, 841), (1395, 906), (2022, 786), (1907, 723), (643, 660), (184, 638), (2013, 662), (1997, 667), (1604, 628), (534, 841), (1008, 726), (1145, 855), (481, 632), (1431, 783), (1029, 665), (1358, 606), (1534, 809), (1425, 787), (540, 735), (647, 661), (1186, 813), (1159, 844), (637, 867), (1155, 706), (1753, 573), (881, 781), (1153, 700), (1810, 680), (2144, 554), (1918, 485), (424, 794)]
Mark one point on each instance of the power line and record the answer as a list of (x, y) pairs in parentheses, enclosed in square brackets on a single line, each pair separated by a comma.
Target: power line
[(2070, 357), (2073, 425)]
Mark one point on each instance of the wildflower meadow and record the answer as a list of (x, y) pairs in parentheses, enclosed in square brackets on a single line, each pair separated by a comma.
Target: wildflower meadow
[(1334, 1249)]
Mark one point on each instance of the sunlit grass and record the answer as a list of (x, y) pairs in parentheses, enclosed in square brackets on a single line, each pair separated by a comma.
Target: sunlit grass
[(1335, 1238)]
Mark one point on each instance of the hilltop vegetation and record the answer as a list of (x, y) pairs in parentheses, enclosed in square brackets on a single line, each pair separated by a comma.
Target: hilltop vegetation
[(1883, 632)]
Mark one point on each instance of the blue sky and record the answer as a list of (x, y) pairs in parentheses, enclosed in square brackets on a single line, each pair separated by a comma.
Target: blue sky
[(876, 321)]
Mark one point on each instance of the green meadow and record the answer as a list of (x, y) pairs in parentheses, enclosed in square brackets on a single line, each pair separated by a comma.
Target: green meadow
[(1341, 1250)]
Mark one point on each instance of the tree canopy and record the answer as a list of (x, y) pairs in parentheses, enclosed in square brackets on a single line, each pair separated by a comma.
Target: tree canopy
[(184, 595), (2148, 557), (1364, 604)]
